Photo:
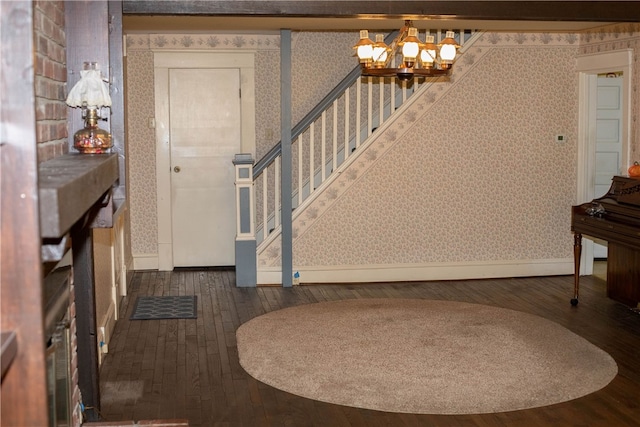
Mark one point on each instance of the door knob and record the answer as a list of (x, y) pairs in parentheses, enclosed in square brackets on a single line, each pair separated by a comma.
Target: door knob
[(176, 169)]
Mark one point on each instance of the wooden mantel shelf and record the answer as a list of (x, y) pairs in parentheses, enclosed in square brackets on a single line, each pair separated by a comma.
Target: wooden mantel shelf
[(69, 186)]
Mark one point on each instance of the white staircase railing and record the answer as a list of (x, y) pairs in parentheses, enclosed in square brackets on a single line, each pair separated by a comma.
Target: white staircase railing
[(327, 142), (325, 139)]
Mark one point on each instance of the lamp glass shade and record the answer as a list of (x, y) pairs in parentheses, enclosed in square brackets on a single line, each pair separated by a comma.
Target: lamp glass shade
[(410, 50), (380, 51), (365, 52), (428, 52), (379, 55), (449, 46), (448, 52), (364, 47), (90, 90), (411, 45), (428, 56)]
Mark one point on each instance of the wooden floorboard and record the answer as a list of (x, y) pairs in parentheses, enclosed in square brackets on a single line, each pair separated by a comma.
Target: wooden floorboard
[(189, 368)]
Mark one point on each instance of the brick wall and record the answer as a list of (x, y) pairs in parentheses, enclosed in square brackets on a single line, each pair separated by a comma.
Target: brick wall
[(50, 79)]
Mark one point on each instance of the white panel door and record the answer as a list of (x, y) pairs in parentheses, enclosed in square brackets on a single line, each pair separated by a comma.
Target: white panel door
[(608, 139), (205, 134)]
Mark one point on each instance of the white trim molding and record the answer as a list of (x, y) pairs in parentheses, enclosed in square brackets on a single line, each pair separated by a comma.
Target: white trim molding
[(424, 272), (145, 262), (588, 67)]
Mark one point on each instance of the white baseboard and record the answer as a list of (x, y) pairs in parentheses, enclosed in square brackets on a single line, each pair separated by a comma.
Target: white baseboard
[(425, 272), (145, 261), (270, 276)]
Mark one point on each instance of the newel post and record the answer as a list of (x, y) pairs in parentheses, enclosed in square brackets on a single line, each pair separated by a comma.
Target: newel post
[(246, 264)]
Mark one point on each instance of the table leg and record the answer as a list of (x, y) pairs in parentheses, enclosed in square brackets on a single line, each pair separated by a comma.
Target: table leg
[(577, 252)]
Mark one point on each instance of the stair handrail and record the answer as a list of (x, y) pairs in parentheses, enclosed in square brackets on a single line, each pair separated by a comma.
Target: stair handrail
[(312, 115)]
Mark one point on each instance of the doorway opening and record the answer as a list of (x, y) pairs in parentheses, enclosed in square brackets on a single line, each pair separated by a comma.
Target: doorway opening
[(603, 133), (205, 114)]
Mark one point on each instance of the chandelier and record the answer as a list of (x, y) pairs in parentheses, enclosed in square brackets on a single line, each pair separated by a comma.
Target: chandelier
[(419, 59)]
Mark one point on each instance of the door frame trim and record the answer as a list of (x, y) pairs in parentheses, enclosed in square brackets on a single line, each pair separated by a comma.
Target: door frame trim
[(164, 61), (588, 67)]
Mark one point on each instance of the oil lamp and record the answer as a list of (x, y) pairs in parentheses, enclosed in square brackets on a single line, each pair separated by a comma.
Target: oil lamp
[(91, 94)]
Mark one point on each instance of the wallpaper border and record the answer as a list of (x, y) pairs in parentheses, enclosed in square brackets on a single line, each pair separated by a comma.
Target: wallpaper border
[(202, 41)]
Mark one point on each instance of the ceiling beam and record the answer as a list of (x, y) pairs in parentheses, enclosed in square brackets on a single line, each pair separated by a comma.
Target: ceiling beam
[(589, 11)]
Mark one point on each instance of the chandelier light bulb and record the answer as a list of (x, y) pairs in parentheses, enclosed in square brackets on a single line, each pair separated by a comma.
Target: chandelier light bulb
[(365, 52), (428, 52), (364, 48), (411, 45), (449, 47), (380, 51)]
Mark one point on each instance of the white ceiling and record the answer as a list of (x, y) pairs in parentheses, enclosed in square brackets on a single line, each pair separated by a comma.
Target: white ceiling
[(198, 24)]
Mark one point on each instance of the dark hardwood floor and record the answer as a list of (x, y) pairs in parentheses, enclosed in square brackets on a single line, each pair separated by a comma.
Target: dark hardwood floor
[(189, 368)]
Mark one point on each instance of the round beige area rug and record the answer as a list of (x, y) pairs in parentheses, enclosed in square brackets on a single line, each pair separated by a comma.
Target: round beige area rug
[(421, 356)]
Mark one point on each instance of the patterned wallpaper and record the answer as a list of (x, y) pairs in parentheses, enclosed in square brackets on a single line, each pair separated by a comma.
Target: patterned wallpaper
[(141, 152), (491, 184), (308, 84), (496, 162)]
